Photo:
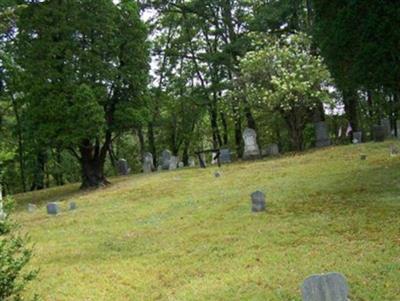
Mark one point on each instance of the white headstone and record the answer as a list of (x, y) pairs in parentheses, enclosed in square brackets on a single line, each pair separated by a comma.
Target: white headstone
[(148, 165), (173, 163), (166, 157), (192, 162), (181, 165), (251, 149)]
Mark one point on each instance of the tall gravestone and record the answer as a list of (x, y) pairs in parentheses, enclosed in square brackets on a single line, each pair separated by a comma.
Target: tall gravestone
[(173, 163), (192, 162), (378, 133), (3, 215), (328, 287), (166, 157), (123, 167), (321, 134), (357, 137), (148, 165), (385, 122), (225, 155), (251, 149)]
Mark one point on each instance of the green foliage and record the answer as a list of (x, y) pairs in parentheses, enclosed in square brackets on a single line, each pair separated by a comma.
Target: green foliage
[(14, 256)]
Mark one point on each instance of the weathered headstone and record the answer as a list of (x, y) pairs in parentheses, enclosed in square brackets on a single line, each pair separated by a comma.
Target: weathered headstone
[(225, 155), (72, 206), (357, 137), (31, 208), (321, 134), (251, 149), (217, 174), (257, 201), (3, 215), (123, 167), (148, 165), (173, 163), (214, 158), (52, 208), (271, 150), (328, 287), (159, 168), (385, 122), (378, 133), (394, 150), (181, 165), (192, 162), (166, 157)]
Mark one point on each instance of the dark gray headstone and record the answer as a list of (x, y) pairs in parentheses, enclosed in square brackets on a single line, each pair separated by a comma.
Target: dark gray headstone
[(357, 137), (225, 155), (148, 165), (166, 157), (328, 287), (251, 149), (52, 208), (257, 201), (72, 206), (378, 133), (173, 163), (321, 134), (31, 208), (385, 122), (123, 167)]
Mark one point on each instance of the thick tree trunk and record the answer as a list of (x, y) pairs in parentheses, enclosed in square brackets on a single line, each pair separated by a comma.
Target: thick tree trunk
[(225, 129), (350, 100), (39, 172), (152, 142), (92, 160), (217, 141), (140, 136)]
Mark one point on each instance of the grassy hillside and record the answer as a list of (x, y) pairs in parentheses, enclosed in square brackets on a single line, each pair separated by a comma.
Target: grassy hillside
[(186, 235)]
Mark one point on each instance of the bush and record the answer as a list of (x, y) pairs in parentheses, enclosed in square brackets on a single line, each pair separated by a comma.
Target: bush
[(14, 255)]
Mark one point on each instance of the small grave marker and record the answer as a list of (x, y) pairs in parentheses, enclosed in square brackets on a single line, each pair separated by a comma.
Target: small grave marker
[(258, 201), (328, 287)]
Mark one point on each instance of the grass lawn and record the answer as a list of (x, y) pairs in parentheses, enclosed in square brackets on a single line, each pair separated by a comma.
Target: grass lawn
[(186, 235)]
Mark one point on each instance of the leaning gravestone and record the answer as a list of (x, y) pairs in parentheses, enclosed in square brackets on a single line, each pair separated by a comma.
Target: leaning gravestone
[(166, 157), (52, 208), (378, 133), (357, 137), (328, 287), (321, 134), (123, 167), (225, 155), (148, 165), (173, 163), (385, 122), (251, 149), (257, 201)]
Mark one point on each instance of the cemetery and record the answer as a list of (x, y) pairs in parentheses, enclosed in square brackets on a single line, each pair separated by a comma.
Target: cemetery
[(199, 150)]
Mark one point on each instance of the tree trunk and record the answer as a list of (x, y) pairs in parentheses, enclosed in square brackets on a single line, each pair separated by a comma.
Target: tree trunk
[(92, 160), (350, 100), (39, 172), (217, 142), (140, 136), (225, 129), (152, 143)]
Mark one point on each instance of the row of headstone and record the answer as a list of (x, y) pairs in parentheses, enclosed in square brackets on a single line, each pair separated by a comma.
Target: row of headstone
[(53, 208)]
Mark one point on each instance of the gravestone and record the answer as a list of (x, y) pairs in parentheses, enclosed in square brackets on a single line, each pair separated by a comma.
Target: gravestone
[(31, 208), (3, 215), (148, 165), (181, 165), (321, 134), (385, 122), (159, 168), (257, 201), (166, 157), (192, 162), (52, 208), (363, 157), (214, 158), (72, 206), (394, 150), (173, 163), (378, 133), (123, 167), (225, 155), (217, 174), (251, 149), (271, 150), (328, 287), (357, 137)]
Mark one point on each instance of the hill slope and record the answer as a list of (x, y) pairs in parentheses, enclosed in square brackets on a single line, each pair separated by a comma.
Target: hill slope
[(186, 235)]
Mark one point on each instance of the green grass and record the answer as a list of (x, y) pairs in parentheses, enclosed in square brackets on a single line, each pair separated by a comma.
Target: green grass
[(186, 235)]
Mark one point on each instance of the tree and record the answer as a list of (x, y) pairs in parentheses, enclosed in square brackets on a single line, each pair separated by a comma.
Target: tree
[(286, 78), (86, 65)]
